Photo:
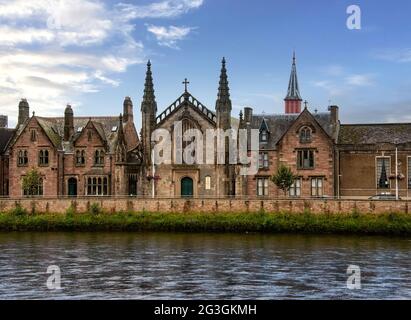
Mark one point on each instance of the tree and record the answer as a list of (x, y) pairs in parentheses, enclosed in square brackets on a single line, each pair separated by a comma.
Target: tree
[(32, 183), (284, 178)]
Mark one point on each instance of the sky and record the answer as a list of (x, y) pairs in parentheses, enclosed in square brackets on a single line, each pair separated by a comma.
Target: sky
[(93, 53)]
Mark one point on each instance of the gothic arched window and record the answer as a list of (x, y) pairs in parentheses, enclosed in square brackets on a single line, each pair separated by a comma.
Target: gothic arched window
[(43, 157), (305, 135)]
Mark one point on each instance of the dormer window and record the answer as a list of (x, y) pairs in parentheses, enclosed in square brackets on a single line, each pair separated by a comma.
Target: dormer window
[(305, 135), (264, 136), (264, 132)]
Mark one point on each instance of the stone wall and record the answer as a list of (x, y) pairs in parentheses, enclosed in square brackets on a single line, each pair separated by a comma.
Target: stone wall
[(112, 205)]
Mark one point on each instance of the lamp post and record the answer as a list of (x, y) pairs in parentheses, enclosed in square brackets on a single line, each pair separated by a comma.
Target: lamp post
[(396, 170), (153, 171)]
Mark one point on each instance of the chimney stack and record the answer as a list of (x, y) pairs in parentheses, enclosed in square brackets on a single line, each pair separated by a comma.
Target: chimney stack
[(68, 123), (248, 114), (24, 112), (4, 123)]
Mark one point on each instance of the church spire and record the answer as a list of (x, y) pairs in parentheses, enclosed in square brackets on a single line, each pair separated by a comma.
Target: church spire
[(149, 99), (148, 115), (223, 89), (293, 98)]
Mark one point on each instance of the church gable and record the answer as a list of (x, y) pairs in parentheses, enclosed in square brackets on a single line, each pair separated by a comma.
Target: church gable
[(186, 103), (38, 130), (91, 134), (306, 128)]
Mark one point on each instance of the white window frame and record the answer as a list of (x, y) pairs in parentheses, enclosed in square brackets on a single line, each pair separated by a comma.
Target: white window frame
[(262, 187), (207, 183), (316, 187), (296, 188), (377, 178)]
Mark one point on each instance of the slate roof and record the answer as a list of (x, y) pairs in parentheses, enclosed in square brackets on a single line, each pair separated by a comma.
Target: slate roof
[(278, 124), (6, 135), (54, 128), (361, 134)]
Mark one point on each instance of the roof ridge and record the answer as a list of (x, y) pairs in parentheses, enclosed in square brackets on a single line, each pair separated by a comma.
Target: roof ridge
[(376, 124)]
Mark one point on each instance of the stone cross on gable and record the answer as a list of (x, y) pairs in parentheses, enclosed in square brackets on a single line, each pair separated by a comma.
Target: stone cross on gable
[(186, 83)]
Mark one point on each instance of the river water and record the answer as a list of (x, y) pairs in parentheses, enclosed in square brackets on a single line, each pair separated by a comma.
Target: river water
[(202, 266)]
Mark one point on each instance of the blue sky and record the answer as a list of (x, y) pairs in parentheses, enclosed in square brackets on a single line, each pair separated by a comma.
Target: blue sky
[(92, 53)]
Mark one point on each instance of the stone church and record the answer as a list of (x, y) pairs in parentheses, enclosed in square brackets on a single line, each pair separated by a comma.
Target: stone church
[(105, 156)]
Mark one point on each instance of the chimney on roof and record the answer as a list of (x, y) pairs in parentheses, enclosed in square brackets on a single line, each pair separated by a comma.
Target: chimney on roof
[(68, 123), (24, 112), (3, 121), (128, 110), (248, 114), (334, 110)]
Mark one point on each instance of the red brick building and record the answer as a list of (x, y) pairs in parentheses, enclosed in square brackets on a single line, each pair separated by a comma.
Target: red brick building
[(74, 155), (104, 156)]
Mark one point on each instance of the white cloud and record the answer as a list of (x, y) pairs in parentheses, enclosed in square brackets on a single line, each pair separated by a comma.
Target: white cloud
[(53, 51), (395, 55), (11, 37), (359, 80), (162, 9), (169, 36)]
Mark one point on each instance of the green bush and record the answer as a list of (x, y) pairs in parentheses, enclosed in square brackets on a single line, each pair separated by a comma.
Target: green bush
[(70, 212), (383, 224), (18, 211), (95, 209)]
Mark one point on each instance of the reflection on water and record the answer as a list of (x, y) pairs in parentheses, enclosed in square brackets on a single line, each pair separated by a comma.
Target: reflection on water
[(202, 266)]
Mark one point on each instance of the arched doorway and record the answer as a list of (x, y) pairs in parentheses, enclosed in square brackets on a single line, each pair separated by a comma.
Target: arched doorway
[(72, 187), (187, 187)]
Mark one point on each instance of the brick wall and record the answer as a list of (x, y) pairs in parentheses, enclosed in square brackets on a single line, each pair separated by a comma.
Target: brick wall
[(111, 205)]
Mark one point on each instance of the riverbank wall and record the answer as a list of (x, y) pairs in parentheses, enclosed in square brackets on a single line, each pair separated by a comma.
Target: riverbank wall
[(113, 205)]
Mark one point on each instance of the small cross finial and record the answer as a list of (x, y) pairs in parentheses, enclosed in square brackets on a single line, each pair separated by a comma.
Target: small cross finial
[(306, 103), (316, 110), (186, 83)]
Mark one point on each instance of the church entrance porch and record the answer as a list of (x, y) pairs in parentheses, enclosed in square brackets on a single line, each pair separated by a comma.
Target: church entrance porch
[(187, 187), (185, 183)]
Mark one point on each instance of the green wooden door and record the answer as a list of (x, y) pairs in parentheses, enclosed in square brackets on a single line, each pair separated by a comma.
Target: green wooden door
[(187, 187), (72, 187)]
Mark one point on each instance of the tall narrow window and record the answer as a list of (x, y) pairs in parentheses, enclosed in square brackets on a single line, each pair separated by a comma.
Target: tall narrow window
[(208, 183), (80, 157), (409, 172), (383, 173), (295, 189), (33, 135), (22, 158), (263, 160), (305, 135), (264, 136), (43, 157), (262, 187), (305, 159), (317, 189), (99, 157)]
